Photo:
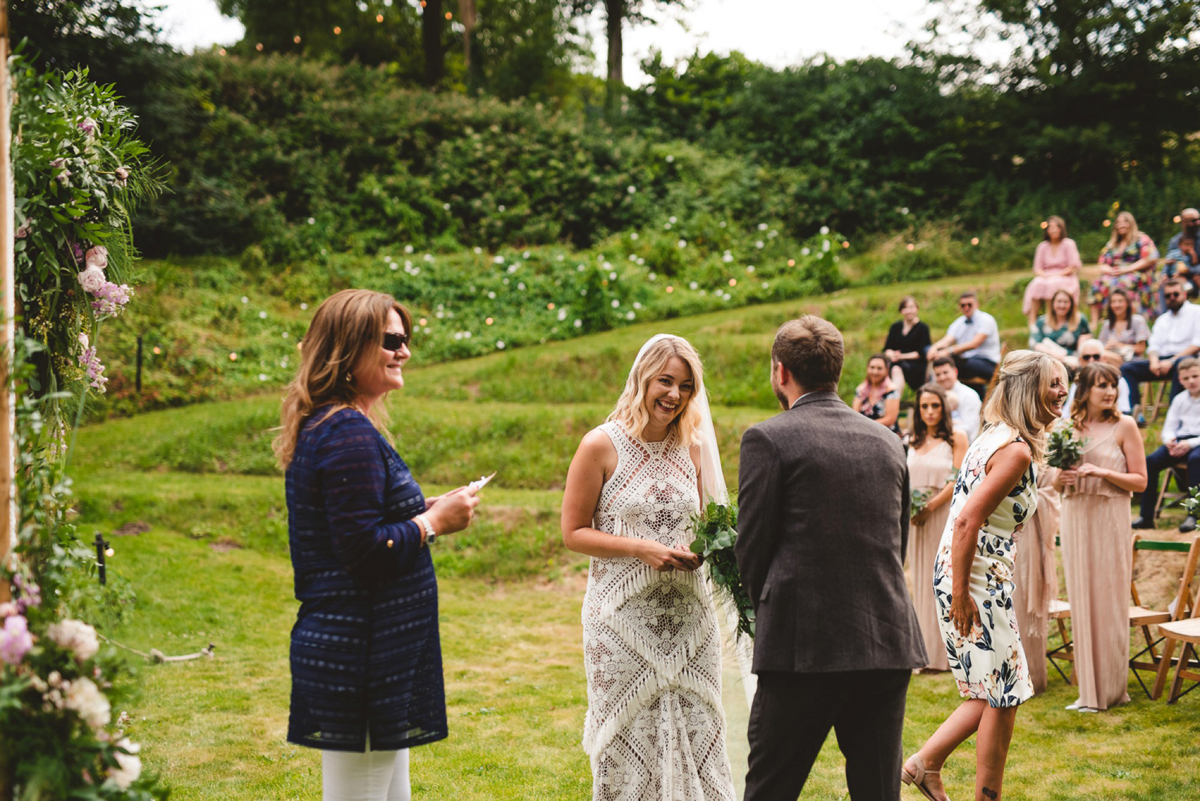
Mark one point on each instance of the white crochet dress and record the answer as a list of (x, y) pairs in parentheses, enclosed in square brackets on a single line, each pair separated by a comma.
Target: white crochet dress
[(655, 729)]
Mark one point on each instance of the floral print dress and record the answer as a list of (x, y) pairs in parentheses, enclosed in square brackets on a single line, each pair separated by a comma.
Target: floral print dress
[(989, 663), (1138, 285)]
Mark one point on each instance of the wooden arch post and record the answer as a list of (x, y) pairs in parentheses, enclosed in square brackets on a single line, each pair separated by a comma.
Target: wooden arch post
[(8, 504)]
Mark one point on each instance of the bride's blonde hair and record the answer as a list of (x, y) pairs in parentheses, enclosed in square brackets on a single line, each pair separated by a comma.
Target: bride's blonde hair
[(630, 410), (1018, 398)]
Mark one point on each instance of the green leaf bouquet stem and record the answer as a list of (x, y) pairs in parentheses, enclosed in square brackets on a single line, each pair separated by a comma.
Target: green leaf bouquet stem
[(1192, 502), (1064, 449), (920, 499), (716, 533)]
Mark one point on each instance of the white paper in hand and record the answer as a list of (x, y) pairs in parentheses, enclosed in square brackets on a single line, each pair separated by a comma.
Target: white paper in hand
[(480, 483)]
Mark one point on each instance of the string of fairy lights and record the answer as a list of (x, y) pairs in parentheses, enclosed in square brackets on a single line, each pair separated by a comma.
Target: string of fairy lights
[(337, 29)]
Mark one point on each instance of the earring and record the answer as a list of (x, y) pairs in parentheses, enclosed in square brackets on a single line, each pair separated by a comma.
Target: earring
[(349, 378)]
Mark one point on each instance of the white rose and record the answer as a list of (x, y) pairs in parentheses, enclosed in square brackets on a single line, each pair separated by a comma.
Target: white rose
[(97, 257), (130, 766), (92, 280), (75, 636), (85, 698), (84, 342)]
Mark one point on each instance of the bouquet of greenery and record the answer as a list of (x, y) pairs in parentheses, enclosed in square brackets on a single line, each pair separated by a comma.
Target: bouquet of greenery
[(1063, 448), (716, 532), (920, 497), (1192, 502)]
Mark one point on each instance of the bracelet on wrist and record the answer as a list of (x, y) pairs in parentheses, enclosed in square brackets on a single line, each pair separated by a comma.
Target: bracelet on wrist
[(427, 528)]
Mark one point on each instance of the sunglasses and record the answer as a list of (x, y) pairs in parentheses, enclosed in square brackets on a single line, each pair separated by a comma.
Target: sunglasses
[(966, 305), (1090, 357), (1172, 294), (395, 342)]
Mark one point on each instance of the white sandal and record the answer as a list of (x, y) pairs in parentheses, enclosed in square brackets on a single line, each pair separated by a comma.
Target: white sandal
[(917, 778)]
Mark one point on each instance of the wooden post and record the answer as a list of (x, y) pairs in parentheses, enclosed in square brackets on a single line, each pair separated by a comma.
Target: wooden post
[(8, 503)]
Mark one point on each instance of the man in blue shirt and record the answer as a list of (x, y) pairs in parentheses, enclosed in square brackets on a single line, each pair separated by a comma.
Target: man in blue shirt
[(973, 341), (1181, 440)]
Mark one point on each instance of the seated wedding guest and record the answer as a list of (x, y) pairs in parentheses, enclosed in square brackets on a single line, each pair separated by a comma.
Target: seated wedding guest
[(1175, 336), (907, 343), (1095, 537), (1183, 251), (1060, 330), (1090, 352), (1035, 580), (877, 398), (973, 340), (1181, 440), (366, 660), (1056, 265), (935, 452), (1127, 262), (1124, 334), (965, 411)]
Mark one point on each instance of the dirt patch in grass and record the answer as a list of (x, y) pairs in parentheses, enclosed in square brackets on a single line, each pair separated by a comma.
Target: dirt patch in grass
[(225, 545), (132, 529)]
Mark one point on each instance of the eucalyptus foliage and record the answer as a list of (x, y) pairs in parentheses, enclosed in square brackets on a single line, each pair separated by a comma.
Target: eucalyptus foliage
[(716, 533)]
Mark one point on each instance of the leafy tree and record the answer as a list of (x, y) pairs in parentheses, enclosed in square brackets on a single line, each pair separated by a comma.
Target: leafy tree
[(616, 14)]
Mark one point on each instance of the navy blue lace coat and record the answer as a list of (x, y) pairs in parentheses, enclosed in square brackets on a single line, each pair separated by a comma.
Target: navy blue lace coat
[(365, 653)]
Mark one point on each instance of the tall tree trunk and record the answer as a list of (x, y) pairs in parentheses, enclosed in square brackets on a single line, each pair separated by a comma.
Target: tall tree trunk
[(615, 86), (432, 18), (466, 15)]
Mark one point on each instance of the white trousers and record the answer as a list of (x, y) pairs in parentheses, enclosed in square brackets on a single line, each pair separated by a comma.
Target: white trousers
[(369, 776)]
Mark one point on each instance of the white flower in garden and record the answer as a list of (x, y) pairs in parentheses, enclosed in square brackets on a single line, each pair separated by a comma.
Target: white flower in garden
[(631, 190), (22, 231), (446, 206), (633, 236), (616, 304), (607, 265), (764, 284), (759, 244), (728, 257), (92, 280), (562, 314), (804, 251), (75, 636), (762, 226), (904, 209), (612, 276), (129, 765), (393, 265), (825, 246), (694, 285), (491, 296), (521, 285), (670, 159), (84, 342), (641, 260), (84, 697), (824, 229), (262, 315), (772, 234), (578, 323), (312, 220), (672, 219), (512, 268), (478, 250), (408, 248), (561, 257), (722, 224), (7, 609), (666, 226), (96, 257), (63, 177), (263, 377), (500, 344), (122, 175), (526, 255), (580, 268), (633, 257), (653, 276), (497, 260), (88, 126), (682, 243), (303, 307), (428, 257), (629, 315)]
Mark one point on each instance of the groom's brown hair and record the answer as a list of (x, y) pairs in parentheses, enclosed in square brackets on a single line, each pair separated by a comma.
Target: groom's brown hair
[(811, 349)]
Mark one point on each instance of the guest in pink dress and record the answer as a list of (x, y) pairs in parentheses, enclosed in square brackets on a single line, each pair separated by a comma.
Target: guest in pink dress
[(1056, 267)]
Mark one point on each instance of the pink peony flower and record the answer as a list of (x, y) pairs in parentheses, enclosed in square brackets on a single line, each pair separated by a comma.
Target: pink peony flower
[(85, 698), (88, 126), (92, 280), (15, 639), (130, 765), (64, 177), (97, 257), (7, 609), (75, 636), (23, 231), (122, 175)]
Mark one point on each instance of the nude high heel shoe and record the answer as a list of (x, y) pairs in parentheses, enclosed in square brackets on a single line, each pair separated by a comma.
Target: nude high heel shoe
[(918, 776)]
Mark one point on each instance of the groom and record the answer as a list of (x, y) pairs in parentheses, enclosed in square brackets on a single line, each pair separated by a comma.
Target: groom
[(823, 503)]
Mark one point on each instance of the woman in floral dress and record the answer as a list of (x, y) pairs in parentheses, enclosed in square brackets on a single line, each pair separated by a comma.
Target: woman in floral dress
[(1127, 263), (996, 493)]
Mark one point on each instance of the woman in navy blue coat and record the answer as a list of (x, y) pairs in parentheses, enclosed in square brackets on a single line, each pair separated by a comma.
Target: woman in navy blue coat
[(365, 656)]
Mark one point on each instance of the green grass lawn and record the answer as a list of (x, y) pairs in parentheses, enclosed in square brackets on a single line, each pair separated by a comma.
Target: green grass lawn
[(210, 564)]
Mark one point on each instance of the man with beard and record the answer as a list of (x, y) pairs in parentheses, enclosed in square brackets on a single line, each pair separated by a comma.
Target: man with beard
[(1175, 336)]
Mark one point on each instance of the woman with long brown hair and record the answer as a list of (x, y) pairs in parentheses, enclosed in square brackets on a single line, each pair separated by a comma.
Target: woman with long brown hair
[(1095, 537), (1061, 330), (365, 655), (935, 452)]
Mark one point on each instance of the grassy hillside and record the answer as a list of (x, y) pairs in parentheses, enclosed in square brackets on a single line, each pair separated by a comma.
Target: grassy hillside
[(194, 506)]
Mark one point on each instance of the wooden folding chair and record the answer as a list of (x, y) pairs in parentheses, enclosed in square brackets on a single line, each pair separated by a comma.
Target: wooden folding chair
[(1188, 667), (1143, 618), (1179, 472), (1154, 399), (1060, 613)]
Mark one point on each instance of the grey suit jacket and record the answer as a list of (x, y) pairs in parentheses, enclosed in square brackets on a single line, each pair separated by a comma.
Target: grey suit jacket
[(823, 511)]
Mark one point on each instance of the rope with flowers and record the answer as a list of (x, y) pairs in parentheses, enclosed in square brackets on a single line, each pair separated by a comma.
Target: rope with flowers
[(77, 172)]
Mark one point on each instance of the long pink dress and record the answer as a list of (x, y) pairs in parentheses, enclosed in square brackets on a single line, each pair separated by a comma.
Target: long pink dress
[(1096, 537), (929, 471), (1054, 263), (1035, 578)]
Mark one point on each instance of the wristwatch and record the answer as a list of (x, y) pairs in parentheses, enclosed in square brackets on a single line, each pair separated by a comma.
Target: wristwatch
[(430, 534)]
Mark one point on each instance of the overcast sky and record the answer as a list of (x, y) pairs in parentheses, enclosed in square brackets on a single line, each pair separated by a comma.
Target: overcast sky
[(775, 32)]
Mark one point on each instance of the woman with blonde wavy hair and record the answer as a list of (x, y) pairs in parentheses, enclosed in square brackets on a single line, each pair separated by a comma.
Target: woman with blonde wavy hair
[(1127, 262), (994, 497), (365, 655), (655, 729)]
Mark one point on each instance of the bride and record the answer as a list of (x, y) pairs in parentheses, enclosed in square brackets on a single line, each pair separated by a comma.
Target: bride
[(655, 729)]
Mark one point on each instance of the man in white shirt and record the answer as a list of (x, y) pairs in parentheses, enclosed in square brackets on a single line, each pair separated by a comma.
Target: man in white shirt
[(1181, 438), (1092, 350), (973, 340), (966, 416), (1175, 336)]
